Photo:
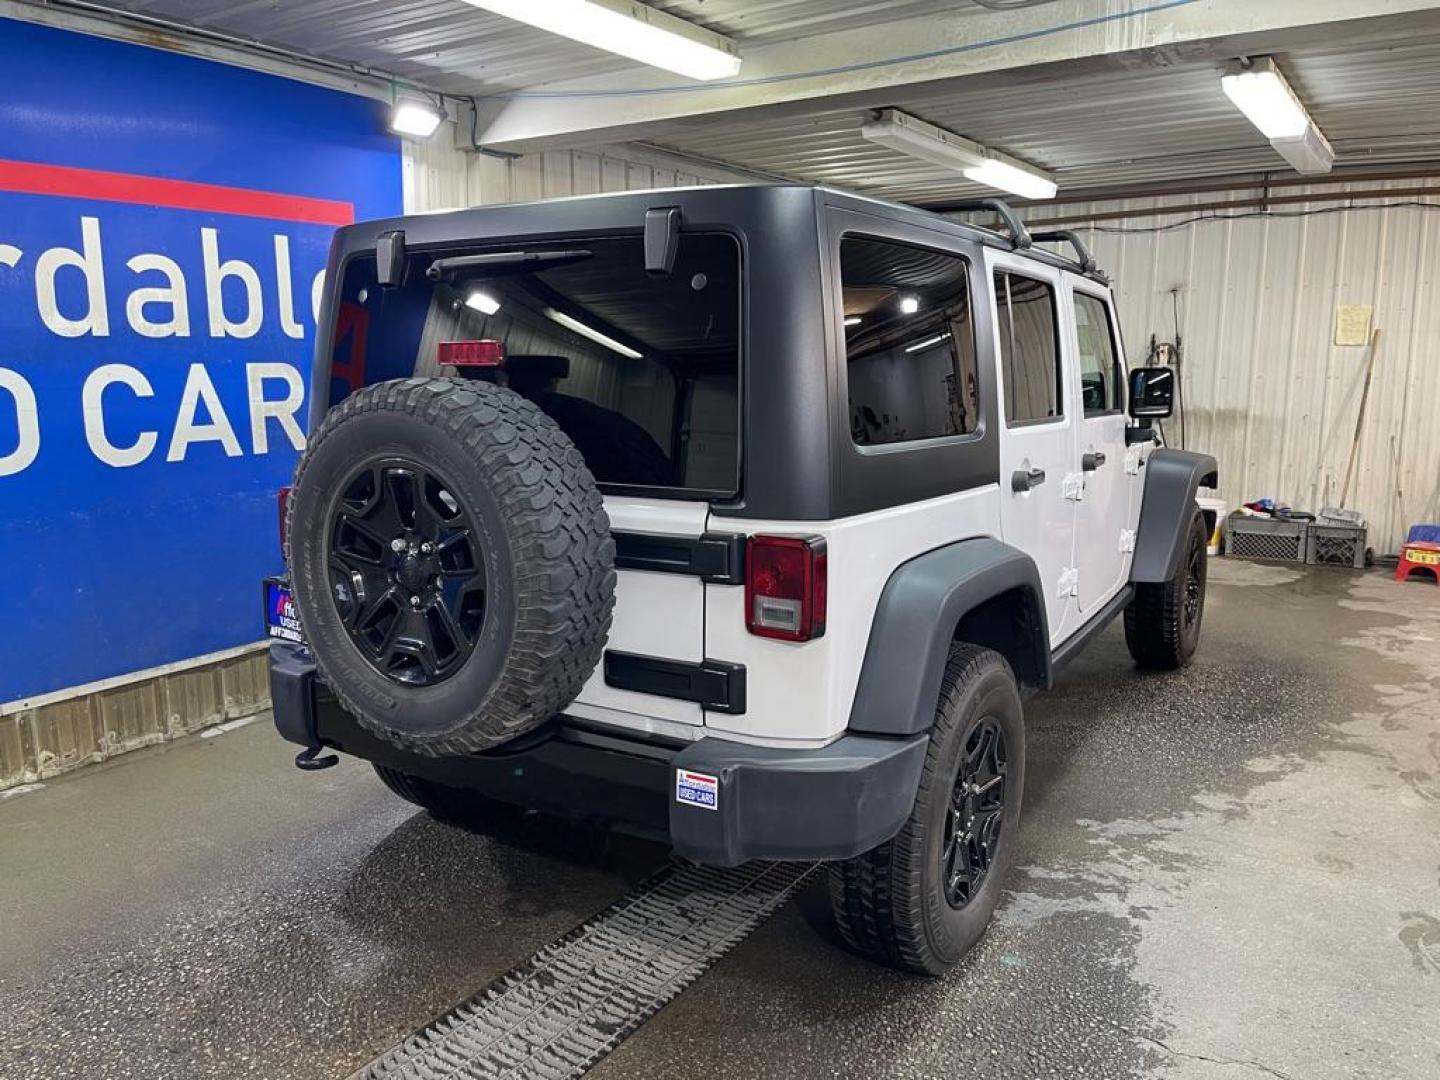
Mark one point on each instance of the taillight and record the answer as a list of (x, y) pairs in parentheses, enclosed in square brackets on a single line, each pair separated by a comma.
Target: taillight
[(282, 499), (785, 587)]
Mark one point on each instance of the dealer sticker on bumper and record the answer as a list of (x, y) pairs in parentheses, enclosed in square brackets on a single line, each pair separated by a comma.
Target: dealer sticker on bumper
[(697, 789)]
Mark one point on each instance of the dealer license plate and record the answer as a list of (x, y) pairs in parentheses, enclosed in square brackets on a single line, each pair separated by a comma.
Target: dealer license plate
[(281, 622)]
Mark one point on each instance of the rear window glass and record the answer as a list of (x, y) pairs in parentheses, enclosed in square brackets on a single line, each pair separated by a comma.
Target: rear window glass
[(641, 371)]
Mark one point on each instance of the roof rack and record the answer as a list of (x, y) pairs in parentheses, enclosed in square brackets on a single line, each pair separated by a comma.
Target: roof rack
[(1019, 235), (1083, 258)]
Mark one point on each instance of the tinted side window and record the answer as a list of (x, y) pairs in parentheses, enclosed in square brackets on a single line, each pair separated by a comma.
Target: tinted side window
[(1029, 349), (909, 342), (1100, 375)]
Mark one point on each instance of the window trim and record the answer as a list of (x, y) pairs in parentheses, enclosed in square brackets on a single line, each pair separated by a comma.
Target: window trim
[(905, 445), (1060, 388), (1117, 357)]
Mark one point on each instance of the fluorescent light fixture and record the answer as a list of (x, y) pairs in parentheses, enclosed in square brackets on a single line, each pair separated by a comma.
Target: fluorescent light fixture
[(630, 29), (482, 302), (1262, 94), (852, 320), (910, 135), (909, 305), (590, 332), (998, 174), (1309, 155), (928, 343), (414, 118)]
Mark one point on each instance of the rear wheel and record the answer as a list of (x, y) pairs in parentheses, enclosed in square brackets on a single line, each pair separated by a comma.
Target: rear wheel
[(922, 900), (1162, 622)]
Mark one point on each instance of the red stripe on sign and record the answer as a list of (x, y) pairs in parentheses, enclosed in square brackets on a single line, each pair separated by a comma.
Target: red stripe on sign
[(31, 179)]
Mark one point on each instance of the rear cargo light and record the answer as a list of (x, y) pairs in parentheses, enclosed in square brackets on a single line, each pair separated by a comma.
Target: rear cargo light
[(282, 500), (484, 353), (785, 586)]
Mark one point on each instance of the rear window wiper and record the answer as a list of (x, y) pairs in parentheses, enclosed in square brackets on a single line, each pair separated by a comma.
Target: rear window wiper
[(502, 262)]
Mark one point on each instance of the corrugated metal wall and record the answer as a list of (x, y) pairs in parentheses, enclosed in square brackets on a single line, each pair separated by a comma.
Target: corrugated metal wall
[(438, 177), (1266, 390)]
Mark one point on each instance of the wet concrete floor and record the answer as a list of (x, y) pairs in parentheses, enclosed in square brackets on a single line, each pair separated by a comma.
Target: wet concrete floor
[(1231, 871)]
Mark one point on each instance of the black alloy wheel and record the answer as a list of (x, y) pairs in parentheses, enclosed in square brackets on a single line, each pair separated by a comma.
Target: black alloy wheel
[(1194, 580), (976, 815), (407, 571)]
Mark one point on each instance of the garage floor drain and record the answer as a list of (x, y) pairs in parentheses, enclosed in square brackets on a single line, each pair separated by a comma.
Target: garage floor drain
[(575, 1000)]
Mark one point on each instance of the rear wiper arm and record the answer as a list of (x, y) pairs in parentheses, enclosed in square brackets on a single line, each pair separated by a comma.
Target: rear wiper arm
[(502, 262)]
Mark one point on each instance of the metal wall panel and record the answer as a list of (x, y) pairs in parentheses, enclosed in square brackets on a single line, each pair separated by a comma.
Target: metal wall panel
[(439, 177), (1266, 389)]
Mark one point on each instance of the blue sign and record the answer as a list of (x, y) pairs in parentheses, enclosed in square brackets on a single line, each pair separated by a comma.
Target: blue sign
[(164, 223)]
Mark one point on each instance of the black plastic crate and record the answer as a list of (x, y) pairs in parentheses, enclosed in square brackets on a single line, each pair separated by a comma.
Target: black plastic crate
[(1265, 538), (1336, 545)]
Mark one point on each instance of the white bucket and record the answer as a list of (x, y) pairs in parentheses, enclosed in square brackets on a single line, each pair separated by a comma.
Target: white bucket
[(1219, 509)]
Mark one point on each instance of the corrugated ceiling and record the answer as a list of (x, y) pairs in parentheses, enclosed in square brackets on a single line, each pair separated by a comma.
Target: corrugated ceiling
[(1378, 102), (1377, 98), (450, 45)]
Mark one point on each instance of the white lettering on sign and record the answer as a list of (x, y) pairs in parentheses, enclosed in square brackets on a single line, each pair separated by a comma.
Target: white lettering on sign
[(317, 291), (198, 388), (27, 423), (173, 293), (282, 411), (88, 261), (92, 401), (287, 293), (215, 274), (70, 290)]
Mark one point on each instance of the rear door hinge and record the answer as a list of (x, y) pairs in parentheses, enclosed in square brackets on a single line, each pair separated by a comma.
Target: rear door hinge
[(1133, 461), (1127, 541), (1073, 486)]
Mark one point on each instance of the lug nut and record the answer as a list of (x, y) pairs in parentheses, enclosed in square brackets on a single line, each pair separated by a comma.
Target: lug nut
[(415, 601), (426, 548), (397, 545)]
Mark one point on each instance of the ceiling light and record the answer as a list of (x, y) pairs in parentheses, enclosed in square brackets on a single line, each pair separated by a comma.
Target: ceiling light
[(1310, 154), (1263, 95), (482, 302), (414, 118), (909, 305), (590, 332), (910, 135), (928, 343), (997, 174), (852, 320), (630, 29)]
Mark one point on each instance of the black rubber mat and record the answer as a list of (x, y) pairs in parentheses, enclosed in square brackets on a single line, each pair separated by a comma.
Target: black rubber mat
[(574, 1001)]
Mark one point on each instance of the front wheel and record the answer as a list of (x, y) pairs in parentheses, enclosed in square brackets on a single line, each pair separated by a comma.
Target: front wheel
[(921, 900), (1162, 622)]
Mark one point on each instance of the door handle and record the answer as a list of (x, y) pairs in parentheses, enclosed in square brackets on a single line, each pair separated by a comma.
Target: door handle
[(1020, 480), (1091, 462)]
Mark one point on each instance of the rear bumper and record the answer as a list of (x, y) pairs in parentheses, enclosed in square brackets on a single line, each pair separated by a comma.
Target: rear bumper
[(769, 803)]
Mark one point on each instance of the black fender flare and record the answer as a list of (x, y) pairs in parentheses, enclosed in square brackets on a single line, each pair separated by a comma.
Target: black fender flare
[(1172, 477), (918, 615)]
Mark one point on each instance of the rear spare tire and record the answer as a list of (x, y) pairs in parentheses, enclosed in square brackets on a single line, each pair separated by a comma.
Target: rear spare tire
[(451, 561)]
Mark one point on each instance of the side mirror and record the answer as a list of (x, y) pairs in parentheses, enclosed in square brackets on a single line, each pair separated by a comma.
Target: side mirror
[(1152, 393)]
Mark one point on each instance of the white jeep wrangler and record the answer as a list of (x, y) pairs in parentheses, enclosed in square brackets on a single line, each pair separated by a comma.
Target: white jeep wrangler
[(740, 516)]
